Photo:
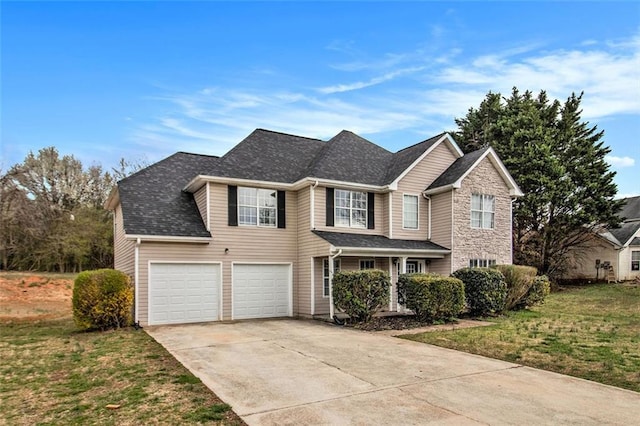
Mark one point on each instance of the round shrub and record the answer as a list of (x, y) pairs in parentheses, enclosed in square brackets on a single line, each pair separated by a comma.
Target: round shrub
[(432, 297), (485, 290), (361, 293), (519, 279), (102, 299), (538, 292)]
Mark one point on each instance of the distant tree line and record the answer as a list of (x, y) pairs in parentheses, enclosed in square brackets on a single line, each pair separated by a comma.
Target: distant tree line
[(52, 216)]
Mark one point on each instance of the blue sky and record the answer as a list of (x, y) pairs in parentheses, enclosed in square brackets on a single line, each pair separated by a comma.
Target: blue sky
[(105, 80)]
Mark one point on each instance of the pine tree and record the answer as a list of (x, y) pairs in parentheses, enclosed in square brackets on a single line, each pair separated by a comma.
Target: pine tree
[(559, 163)]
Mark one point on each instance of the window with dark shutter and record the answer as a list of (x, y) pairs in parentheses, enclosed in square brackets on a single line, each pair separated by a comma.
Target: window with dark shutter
[(281, 209), (233, 205), (370, 210), (329, 203)]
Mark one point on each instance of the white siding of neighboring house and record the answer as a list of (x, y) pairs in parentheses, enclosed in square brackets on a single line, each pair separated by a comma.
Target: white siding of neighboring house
[(123, 249)]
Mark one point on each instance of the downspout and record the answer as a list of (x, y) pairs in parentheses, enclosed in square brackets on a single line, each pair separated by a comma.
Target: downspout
[(312, 205), (331, 259), (390, 215), (511, 230), (136, 280)]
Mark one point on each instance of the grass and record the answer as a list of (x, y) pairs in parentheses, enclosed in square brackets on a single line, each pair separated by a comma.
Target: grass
[(53, 374), (590, 332)]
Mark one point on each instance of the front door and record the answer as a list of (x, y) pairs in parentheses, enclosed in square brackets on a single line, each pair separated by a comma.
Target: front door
[(414, 266)]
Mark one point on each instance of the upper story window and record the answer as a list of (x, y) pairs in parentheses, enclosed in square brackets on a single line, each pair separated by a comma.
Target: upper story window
[(410, 212), (635, 260), (351, 208), (482, 211), (257, 207)]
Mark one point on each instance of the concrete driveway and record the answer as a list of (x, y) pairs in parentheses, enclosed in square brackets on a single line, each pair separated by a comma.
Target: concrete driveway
[(306, 372)]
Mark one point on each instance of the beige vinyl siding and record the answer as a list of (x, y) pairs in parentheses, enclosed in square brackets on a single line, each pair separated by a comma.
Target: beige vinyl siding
[(413, 183), (582, 261), (470, 243), (123, 249), (251, 243), (623, 268), (321, 214), (200, 197), (309, 247), (441, 231)]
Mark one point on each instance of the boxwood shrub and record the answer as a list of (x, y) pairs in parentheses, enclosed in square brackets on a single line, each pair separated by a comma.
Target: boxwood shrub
[(519, 279), (485, 290), (361, 293), (432, 297), (102, 299), (539, 290)]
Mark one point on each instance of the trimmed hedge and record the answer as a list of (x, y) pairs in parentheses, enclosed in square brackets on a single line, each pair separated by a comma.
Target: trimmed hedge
[(485, 290), (432, 297), (361, 293), (539, 290), (102, 299), (519, 280)]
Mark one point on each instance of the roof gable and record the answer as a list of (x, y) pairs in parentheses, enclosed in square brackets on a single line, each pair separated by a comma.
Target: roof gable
[(407, 158), (626, 231), (460, 169)]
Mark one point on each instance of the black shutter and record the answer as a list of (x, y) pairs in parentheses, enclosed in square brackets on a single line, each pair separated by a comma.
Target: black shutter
[(329, 207), (371, 197), (281, 209), (233, 205)]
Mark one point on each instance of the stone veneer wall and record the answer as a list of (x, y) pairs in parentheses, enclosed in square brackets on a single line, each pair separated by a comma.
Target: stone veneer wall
[(469, 243)]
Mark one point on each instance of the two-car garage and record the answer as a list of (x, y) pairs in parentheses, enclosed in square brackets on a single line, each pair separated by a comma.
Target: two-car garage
[(192, 292)]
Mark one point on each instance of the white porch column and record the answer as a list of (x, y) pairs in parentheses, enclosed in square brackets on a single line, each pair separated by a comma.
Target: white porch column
[(331, 307), (403, 270), (391, 286)]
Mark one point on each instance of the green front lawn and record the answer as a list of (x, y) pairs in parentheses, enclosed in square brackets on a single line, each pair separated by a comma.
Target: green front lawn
[(589, 332), (53, 374)]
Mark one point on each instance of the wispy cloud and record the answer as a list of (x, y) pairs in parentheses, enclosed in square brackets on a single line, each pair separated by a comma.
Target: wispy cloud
[(339, 88), (620, 161)]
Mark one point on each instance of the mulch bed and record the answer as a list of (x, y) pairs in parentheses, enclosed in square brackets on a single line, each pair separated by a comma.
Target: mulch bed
[(399, 322)]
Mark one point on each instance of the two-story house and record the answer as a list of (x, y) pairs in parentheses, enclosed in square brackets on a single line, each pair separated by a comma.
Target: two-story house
[(259, 232)]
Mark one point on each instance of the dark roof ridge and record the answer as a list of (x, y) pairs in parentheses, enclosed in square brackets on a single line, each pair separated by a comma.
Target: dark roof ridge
[(287, 134), (438, 136), (198, 155)]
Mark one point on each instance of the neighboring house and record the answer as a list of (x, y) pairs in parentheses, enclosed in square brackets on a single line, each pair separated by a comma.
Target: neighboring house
[(618, 247), (260, 231)]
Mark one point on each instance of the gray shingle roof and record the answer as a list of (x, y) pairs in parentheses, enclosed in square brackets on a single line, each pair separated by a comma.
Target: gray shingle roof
[(153, 202), (340, 239), (635, 242), (457, 169), (268, 156), (351, 158), (626, 231), (631, 208)]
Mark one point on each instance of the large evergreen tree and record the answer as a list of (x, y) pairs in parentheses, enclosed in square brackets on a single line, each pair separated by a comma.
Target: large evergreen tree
[(558, 161)]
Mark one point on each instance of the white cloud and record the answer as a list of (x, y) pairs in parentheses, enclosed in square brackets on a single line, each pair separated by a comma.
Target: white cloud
[(339, 88), (620, 161)]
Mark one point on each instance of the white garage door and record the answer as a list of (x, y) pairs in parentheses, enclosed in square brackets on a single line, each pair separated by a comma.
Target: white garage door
[(183, 292), (261, 291)]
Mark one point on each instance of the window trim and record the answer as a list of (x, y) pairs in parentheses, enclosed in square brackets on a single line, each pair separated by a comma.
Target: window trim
[(417, 197), (482, 211), (367, 260), (257, 207), (351, 209), (637, 261), (337, 264)]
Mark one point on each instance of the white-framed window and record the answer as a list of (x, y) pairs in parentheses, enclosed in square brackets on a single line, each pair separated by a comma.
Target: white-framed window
[(481, 263), (351, 208), (635, 260), (325, 274), (410, 212), (257, 207), (367, 264), (483, 211)]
